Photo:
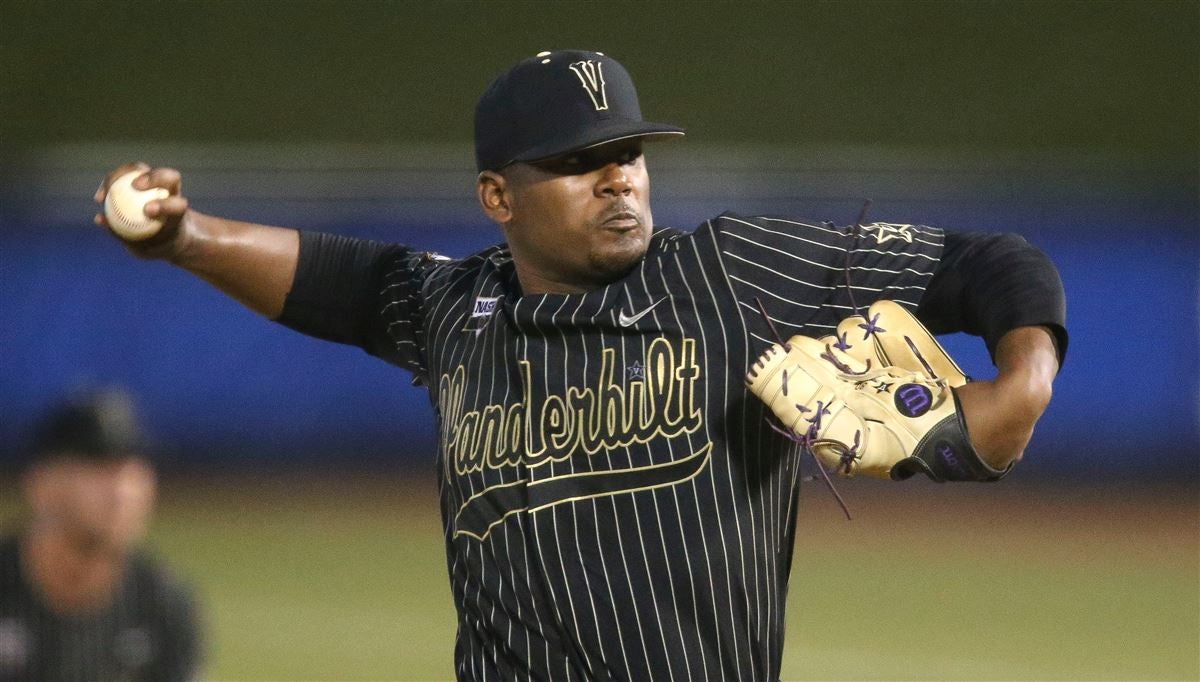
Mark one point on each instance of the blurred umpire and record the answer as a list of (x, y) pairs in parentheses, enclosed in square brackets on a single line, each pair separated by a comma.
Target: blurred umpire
[(78, 599)]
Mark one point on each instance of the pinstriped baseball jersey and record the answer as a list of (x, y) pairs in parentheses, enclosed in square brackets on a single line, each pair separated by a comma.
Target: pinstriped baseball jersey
[(614, 505)]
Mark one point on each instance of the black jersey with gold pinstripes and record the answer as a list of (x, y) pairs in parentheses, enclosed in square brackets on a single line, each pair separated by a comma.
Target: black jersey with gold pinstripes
[(614, 505)]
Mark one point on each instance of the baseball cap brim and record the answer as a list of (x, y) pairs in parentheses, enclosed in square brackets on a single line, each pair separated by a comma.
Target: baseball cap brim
[(597, 135)]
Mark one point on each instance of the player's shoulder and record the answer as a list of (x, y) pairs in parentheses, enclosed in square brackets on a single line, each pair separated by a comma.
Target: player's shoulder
[(426, 269), (790, 232), (770, 229), (766, 237), (731, 222), (158, 586), (730, 227), (451, 283), (733, 235), (445, 266)]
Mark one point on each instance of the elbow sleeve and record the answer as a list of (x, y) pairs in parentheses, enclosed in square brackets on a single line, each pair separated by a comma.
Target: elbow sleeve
[(990, 284)]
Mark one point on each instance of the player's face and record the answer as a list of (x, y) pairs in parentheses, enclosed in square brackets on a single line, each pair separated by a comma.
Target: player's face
[(88, 516), (579, 221)]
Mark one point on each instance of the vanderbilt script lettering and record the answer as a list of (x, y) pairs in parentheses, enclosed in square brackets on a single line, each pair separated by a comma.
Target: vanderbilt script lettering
[(590, 419)]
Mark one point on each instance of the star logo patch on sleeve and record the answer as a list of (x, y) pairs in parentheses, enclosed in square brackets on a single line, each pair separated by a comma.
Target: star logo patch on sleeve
[(884, 232)]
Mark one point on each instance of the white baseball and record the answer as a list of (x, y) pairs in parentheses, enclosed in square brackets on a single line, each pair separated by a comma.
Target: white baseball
[(124, 207)]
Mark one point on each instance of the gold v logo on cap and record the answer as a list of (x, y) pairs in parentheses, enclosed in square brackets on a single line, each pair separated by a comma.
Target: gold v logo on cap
[(591, 76)]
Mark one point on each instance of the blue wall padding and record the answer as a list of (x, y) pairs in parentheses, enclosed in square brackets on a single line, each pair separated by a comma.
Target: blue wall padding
[(218, 385)]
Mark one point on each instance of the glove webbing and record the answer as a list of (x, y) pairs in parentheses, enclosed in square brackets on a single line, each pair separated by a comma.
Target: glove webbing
[(803, 441)]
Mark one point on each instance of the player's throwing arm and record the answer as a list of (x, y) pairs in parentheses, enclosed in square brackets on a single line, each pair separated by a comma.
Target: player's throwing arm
[(145, 208)]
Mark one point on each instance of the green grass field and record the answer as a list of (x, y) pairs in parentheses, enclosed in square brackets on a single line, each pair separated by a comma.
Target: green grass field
[(304, 578)]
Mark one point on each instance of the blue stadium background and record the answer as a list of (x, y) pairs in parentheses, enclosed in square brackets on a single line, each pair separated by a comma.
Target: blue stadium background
[(223, 388), (1073, 123)]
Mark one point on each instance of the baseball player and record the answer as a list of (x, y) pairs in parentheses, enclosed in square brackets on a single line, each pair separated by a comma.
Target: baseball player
[(615, 500), (78, 599)]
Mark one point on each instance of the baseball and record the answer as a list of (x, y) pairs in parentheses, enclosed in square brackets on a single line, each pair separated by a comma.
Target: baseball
[(123, 207)]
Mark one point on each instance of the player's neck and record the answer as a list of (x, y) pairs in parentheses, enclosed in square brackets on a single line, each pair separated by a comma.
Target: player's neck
[(533, 283)]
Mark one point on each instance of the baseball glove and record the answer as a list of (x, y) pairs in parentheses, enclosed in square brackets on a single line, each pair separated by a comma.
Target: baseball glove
[(875, 399)]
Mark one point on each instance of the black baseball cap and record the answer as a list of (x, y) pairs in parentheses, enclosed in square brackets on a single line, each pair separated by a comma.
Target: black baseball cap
[(558, 102), (98, 425)]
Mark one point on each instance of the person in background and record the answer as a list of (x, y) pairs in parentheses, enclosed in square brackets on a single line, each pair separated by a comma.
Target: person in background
[(78, 599)]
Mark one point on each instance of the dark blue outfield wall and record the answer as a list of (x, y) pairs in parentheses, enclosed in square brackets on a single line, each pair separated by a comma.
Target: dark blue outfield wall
[(220, 385)]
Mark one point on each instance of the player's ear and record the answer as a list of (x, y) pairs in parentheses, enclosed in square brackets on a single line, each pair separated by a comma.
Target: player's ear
[(143, 478), (492, 190)]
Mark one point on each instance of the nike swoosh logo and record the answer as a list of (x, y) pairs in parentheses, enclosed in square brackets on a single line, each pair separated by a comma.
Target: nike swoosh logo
[(627, 320)]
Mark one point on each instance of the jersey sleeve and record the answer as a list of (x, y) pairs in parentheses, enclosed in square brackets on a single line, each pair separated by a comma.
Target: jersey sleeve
[(362, 293), (988, 284), (809, 275)]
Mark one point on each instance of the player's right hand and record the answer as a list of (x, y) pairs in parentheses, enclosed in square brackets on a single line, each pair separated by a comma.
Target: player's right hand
[(168, 243)]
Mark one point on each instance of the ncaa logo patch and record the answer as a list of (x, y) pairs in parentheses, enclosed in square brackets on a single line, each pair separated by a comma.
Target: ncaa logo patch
[(484, 306), (481, 313)]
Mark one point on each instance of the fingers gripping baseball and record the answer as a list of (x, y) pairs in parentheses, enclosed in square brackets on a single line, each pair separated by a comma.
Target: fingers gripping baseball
[(143, 207)]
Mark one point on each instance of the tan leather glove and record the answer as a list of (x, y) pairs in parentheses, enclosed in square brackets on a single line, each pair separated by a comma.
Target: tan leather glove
[(876, 399)]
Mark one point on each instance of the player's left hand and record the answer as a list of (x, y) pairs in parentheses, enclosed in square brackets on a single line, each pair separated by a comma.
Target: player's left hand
[(876, 399)]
